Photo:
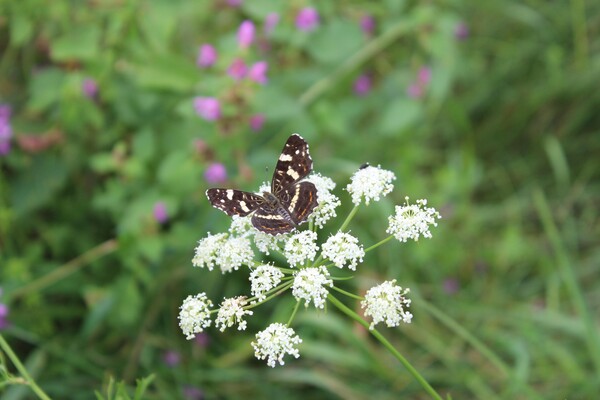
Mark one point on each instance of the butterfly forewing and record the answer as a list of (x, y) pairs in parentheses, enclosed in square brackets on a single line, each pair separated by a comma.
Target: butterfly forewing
[(293, 164), (234, 202)]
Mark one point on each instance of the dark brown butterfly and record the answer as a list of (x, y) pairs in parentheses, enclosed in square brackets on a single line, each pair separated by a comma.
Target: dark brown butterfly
[(291, 200)]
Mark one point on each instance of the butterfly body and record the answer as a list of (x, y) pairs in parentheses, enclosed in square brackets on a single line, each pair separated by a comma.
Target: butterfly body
[(291, 200)]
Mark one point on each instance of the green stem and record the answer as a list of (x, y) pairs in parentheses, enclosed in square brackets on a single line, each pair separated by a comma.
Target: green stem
[(352, 295), (387, 239), (565, 267), (277, 291), (361, 56), (294, 313), (66, 269), (387, 345), (349, 218), (22, 370)]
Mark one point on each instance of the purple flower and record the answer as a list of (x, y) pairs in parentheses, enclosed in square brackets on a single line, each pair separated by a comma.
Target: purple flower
[(5, 129), (5, 112), (207, 56), (415, 91), (192, 393), (307, 19), (451, 286), (208, 108), (271, 22), (171, 358), (215, 173), (461, 31), (3, 316), (424, 76), (245, 34), (367, 24), (362, 85), (257, 121), (202, 339), (238, 69), (258, 72), (160, 212), (89, 87)]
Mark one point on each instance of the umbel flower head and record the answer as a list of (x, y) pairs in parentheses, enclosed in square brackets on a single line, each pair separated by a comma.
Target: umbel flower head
[(275, 342), (370, 184), (412, 221), (194, 315), (231, 313), (303, 262), (387, 303)]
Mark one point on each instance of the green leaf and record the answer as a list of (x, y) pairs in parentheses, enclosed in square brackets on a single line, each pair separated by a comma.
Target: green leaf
[(167, 73), (400, 115), (38, 184), (45, 89), (21, 30), (81, 43), (335, 42)]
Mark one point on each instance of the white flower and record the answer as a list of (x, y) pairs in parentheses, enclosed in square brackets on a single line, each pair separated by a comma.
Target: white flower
[(412, 221), (194, 315), (309, 285), (266, 242), (207, 250), (328, 202), (263, 279), (342, 248), (275, 342), (231, 313), (264, 187), (233, 253), (386, 302), (370, 182), (241, 226), (300, 247)]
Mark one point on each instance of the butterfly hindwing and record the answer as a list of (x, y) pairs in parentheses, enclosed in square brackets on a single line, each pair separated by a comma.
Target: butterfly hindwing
[(234, 202), (265, 220), (293, 164), (300, 200)]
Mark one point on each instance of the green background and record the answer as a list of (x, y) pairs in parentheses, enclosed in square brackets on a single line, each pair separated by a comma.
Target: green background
[(504, 143)]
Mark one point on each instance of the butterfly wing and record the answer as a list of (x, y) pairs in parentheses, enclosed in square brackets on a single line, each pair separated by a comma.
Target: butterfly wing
[(293, 164), (299, 200), (234, 202), (268, 221)]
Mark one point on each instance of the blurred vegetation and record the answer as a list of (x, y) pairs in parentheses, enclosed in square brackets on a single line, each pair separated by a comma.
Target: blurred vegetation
[(504, 141)]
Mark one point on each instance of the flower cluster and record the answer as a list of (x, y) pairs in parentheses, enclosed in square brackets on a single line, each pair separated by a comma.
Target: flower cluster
[(412, 221), (310, 267), (370, 183), (387, 303)]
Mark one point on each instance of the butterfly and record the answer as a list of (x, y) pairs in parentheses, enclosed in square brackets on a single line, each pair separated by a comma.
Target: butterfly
[(291, 200)]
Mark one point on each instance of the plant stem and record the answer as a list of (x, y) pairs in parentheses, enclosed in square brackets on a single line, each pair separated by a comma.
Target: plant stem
[(565, 266), (342, 291), (348, 219), (22, 370), (66, 269), (387, 345), (387, 239), (294, 313)]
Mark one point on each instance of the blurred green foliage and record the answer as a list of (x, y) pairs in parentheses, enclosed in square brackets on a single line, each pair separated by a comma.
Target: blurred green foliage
[(504, 141)]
